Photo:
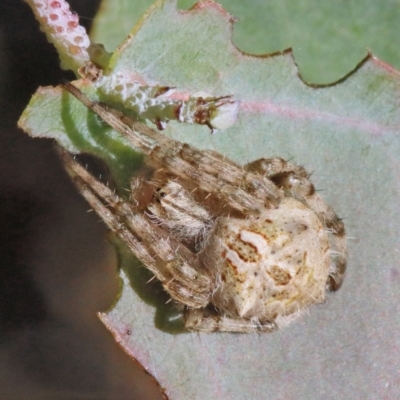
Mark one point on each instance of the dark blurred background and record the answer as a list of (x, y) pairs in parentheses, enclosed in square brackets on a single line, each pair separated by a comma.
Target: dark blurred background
[(57, 269)]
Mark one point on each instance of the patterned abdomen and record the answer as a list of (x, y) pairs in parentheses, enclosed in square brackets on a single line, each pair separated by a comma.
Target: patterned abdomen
[(268, 266)]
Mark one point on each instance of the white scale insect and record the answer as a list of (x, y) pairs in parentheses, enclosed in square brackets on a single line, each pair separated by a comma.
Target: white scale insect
[(243, 249)]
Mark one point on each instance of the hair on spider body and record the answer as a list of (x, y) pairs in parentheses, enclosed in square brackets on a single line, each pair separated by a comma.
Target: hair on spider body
[(243, 249)]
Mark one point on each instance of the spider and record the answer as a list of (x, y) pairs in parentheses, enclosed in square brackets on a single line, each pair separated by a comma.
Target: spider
[(243, 249)]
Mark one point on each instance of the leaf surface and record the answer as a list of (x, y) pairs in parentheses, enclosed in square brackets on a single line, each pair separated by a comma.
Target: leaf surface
[(328, 38), (348, 134)]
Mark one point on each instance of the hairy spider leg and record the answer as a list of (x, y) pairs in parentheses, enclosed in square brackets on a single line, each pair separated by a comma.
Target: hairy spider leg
[(242, 190), (201, 321), (170, 261)]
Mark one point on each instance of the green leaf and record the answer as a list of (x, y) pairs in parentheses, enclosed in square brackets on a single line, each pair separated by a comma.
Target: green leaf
[(328, 38), (348, 134)]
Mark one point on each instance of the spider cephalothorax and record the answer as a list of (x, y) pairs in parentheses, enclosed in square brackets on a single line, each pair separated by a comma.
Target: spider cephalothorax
[(244, 249)]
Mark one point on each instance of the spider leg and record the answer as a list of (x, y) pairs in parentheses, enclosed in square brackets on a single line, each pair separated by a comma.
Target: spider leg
[(177, 268), (201, 321), (293, 179), (244, 191)]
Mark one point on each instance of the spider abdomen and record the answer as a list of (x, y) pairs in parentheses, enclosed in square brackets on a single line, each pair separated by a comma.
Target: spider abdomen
[(273, 265)]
